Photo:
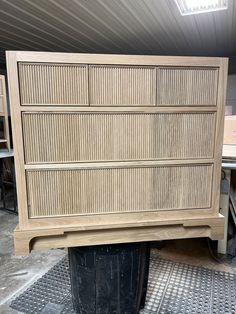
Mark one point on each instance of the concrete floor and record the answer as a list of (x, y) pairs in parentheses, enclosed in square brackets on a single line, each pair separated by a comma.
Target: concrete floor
[(196, 252), (18, 273)]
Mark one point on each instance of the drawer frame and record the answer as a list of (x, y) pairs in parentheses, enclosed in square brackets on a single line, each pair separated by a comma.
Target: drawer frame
[(82, 230)]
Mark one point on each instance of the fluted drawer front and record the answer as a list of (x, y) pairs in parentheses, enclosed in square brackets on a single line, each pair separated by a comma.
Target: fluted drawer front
[(122, 86), (1, 103), (97, 191), (187, 86), (53, 84), (62, 137), (1, 86)]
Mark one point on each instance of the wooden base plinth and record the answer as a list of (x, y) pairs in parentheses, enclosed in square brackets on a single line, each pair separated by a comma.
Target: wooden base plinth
[(27, 240)]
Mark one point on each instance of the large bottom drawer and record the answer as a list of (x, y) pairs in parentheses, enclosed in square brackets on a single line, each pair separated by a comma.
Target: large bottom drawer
[(118, 190)]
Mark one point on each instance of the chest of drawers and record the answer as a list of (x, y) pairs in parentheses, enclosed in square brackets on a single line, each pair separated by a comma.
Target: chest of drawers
[(115, 148)]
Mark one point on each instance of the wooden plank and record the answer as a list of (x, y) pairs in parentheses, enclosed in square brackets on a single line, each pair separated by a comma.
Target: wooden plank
[(219, 132), (108, 220), (13, 85), (224, 210), (28, 240), (118, 164), (83, 58), (4, 112), (139, 109)]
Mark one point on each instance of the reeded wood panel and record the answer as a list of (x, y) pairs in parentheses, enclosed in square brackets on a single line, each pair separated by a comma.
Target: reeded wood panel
[(1, 95), (1, 103), (122, 86), (110, 147), (4, 136), (62, 137), (61, 84), (187, 86), (96, 191), (1, 87)]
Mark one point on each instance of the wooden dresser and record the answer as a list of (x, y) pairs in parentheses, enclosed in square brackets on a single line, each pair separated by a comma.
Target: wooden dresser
[(116, 148)]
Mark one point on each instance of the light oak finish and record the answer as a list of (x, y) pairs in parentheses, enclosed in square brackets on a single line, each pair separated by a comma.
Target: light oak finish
[(42, 239), (114, 59), (117, 190), (139, 109), (118, 136), (131, 144), (122, 86), (5, 140), (187, 86), (53, 84), (117, 164), (219, 131)]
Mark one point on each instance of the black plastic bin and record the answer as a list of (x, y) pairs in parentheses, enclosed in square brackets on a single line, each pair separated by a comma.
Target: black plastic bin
[(109, 279)]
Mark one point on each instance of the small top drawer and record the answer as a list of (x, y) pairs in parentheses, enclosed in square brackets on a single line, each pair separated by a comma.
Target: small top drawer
[(122, 85), (187, 86), (53, 84)]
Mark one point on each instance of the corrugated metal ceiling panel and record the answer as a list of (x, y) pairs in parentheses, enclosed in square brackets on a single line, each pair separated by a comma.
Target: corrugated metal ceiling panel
[(115, 26)]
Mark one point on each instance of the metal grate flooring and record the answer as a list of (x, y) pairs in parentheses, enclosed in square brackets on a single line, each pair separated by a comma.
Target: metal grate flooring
[(173, 288)]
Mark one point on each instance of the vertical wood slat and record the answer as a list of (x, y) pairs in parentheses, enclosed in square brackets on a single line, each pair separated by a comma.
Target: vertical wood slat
[(5, 136), (97, 191), (1, 95), (122, 86), (58, 84), (1, 87), (63, 137), (71, 84), (187, 86), (1, 103)]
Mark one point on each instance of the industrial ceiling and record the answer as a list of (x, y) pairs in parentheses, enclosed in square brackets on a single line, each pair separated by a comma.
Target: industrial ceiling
[(115, 26)]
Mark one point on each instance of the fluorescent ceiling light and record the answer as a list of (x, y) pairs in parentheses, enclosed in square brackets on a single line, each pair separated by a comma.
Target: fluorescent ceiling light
[(188, 7)]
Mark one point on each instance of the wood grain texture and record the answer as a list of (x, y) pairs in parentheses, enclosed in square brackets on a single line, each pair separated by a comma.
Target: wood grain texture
[(13, 84), (5, 139), (122, 86), (27, 240), (187, 86), (1, 85), (116, 59), (121, 136), (1, 95), (114, 236), (117, 164), (59, 84), (1, 104), (109, 139), (130, 109), (95, 191), (219, 131)]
